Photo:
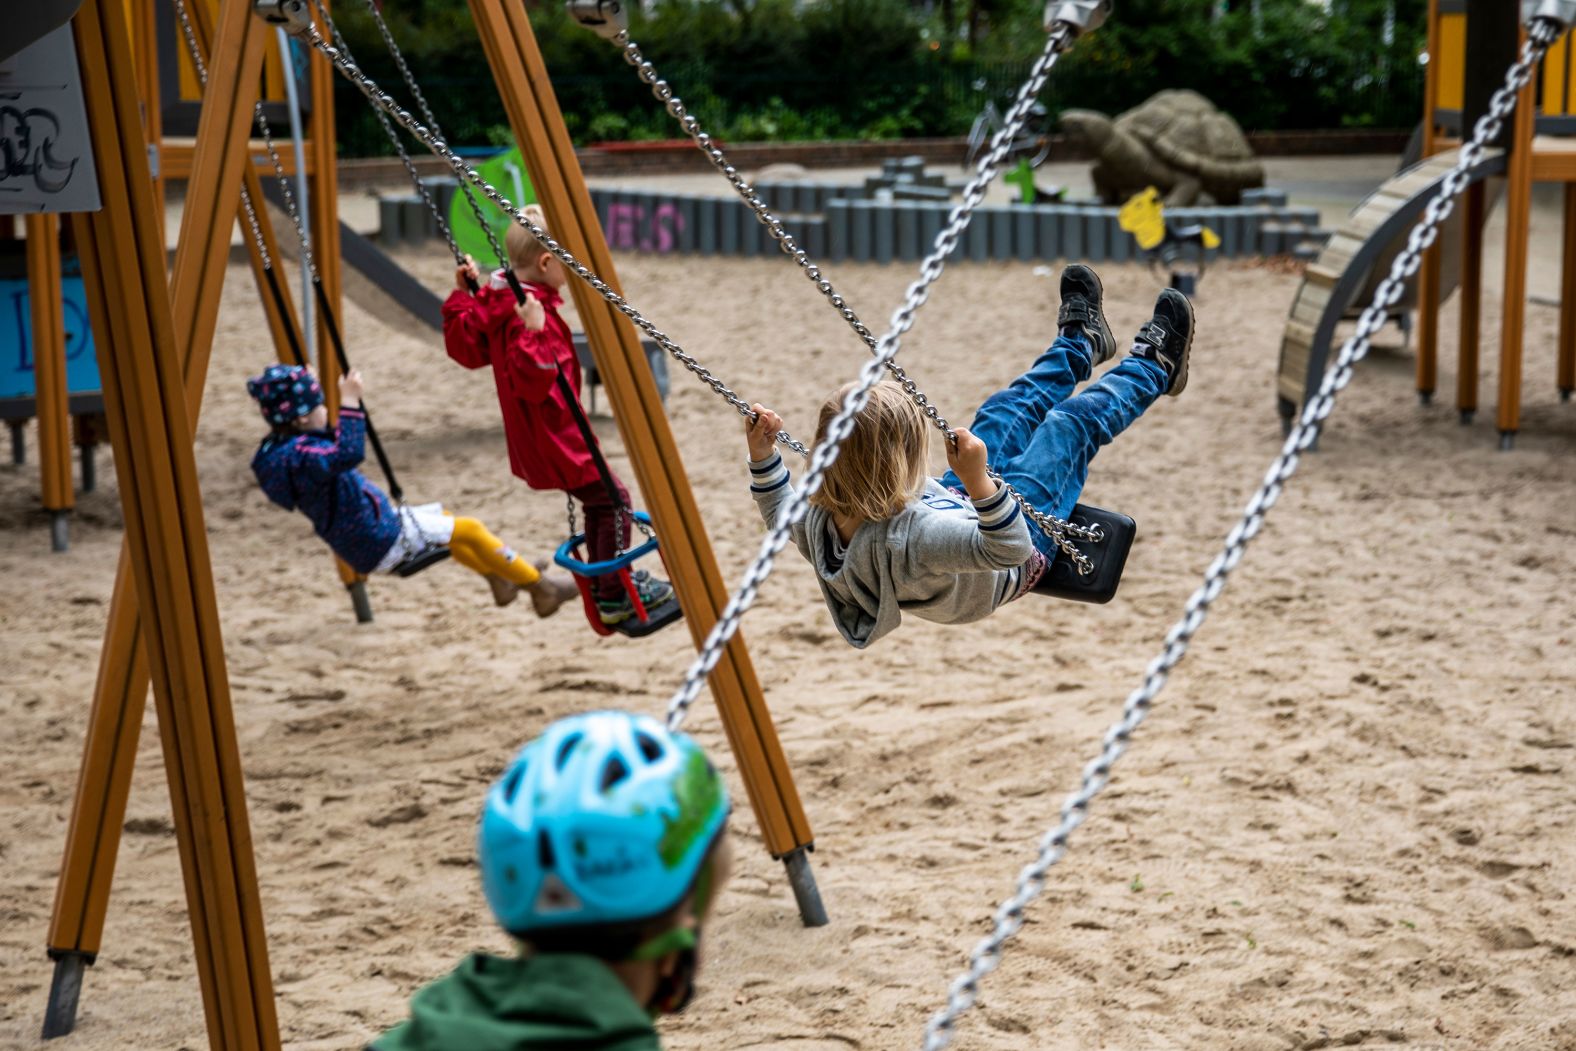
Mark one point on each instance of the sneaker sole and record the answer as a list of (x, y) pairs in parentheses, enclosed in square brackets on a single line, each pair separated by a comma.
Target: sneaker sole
[(1180, 383), (1106, 341)]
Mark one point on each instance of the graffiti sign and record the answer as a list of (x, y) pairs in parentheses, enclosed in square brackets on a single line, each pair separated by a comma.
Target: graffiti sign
[(46, 158)]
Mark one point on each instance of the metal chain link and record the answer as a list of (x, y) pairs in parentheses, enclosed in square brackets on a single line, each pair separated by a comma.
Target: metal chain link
[(381, 99), (1009, 916), (973, 194), (392, 135), (201, 69), (431, 120)]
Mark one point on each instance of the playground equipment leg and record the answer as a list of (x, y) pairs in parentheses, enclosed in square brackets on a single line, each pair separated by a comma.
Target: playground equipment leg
[(123, 288), (65, 988), (1567, 356), (1518, 228), (538, 126), (805, 893), (89, 468), (51, 398), (359, 601), (18, 442), (1473, 205), (1428, 282)]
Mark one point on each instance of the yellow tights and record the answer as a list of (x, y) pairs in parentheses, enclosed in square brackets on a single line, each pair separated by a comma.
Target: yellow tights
[(479, 551)]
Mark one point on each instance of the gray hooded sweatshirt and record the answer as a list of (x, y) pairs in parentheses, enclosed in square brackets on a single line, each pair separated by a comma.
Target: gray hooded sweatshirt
[(944, 557)]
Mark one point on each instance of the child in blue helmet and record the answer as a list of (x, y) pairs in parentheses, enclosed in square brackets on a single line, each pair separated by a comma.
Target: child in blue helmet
[(305, 465), (602, 848)]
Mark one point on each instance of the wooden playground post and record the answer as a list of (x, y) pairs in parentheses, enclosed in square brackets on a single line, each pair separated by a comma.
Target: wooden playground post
[(82, 895), (145, 42), (560, 186), (51, 398), (151, 427), (1518, 230)]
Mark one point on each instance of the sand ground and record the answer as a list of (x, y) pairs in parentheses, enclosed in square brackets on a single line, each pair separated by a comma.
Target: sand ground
[(1349, 821)]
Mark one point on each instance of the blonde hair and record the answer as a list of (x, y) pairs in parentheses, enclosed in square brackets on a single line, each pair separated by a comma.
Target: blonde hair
[(881, 466), (521, 244)]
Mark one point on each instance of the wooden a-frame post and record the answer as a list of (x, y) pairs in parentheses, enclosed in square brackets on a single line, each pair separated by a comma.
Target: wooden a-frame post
[(51, 392), (219, 881), (538, 125)]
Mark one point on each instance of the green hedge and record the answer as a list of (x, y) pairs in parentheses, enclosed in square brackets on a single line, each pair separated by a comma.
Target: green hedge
[(757, 70)]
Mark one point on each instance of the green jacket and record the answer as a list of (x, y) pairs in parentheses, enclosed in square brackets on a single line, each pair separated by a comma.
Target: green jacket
[(492, 1003)]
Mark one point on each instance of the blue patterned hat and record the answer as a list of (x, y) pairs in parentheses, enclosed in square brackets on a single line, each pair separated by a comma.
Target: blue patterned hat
[(285, 393)]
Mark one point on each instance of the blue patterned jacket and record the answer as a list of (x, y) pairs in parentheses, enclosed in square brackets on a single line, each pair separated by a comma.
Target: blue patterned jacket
[(315, 472)]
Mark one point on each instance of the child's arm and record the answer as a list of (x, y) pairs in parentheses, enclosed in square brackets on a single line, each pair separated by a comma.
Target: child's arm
[(770, 482), (999, 540), (465, 322), (531, 353), (349, 448)]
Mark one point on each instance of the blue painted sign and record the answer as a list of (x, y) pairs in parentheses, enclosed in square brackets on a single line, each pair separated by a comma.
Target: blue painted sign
[(16, 337)]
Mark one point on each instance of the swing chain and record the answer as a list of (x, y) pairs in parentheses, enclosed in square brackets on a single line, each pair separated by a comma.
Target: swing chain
[(432, 122), (381, 99), (1009, 916), (842, 425), (1053, 527), (201, 68), (392, 135)]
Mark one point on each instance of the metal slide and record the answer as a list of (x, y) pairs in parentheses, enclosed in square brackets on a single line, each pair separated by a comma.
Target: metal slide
[(1356, 259)]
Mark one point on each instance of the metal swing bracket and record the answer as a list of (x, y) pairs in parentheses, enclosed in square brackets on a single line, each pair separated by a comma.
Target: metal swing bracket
[(1079, 16), (1561, 11), (293, 16), (605, 18)]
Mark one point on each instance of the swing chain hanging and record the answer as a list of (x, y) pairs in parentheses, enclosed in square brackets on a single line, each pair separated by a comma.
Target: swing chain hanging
[(1009, 916), (378, 97), (973, 195), (842, 425), (431, 120)]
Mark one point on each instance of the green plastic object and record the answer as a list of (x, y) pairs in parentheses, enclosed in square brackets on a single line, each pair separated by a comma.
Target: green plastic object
[(1022, 177), (507, 172)]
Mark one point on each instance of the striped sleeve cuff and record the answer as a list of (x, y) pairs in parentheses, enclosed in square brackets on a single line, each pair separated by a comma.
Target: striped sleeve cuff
[(998, 512), (768, 474), (352, 410)]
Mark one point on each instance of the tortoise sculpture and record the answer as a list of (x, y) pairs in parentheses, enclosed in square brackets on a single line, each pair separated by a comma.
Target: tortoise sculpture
[(1177, 142)]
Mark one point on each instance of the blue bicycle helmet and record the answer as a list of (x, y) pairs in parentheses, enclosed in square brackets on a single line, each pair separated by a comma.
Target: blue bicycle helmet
[(606, 819)]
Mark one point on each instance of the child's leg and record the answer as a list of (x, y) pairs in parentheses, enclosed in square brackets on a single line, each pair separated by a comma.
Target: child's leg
[(479, 551), (1053, 468), (607, 531), (1008, 420)]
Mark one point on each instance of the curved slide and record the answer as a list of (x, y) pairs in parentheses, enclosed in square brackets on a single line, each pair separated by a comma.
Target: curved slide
[(1356, 259)]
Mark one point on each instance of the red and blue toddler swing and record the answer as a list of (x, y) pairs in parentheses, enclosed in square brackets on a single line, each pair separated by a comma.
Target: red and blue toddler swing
[(570, 556)]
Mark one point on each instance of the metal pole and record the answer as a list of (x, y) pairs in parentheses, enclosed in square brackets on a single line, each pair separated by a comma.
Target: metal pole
[(298, 143)]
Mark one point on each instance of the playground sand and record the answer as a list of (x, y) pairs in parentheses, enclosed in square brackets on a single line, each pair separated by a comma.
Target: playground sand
[(1348, 822)]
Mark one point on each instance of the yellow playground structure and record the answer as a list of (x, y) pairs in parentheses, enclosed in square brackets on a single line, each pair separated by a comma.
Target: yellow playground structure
[(1470, 44)]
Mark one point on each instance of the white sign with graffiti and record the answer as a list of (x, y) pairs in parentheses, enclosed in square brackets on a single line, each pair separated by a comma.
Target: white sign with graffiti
[(46, 157)]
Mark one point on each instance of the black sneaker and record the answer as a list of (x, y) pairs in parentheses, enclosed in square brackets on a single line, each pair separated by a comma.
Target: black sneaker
[(1168, 337), (653, 593), (1082, 308)]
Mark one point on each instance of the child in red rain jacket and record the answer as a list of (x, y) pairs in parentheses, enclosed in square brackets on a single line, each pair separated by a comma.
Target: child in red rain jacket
[(529, 348)]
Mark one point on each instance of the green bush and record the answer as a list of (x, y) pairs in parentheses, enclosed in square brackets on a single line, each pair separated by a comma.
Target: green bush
[(759, 70)]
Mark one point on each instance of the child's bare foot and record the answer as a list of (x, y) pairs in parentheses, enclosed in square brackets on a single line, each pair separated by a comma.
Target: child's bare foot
[(504, 591), (551, 591)]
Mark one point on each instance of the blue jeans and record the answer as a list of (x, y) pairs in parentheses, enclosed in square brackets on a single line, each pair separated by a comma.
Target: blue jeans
[(1041, 436)]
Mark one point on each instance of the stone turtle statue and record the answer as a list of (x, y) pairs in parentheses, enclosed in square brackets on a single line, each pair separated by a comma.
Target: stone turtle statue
[(1177, 142)]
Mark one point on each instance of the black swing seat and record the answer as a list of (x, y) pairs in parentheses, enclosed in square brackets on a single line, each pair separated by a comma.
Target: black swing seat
[(421, 560), (1061, 578), (657, 618)]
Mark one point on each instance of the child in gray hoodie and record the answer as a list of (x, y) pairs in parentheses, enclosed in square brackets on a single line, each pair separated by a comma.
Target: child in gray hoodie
[(886, 539)]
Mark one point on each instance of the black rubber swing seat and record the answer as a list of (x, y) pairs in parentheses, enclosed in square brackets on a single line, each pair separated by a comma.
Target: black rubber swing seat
[(421, 560), (1062, 580), (657, 618)]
